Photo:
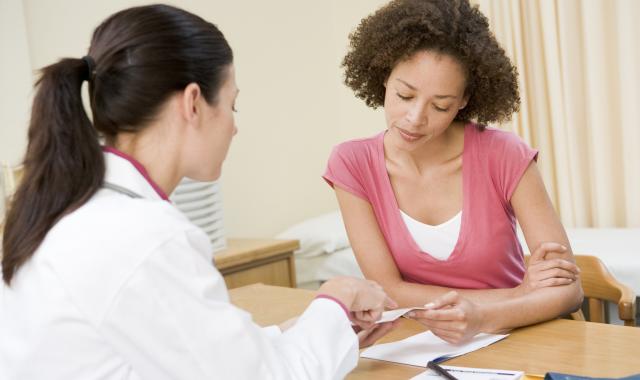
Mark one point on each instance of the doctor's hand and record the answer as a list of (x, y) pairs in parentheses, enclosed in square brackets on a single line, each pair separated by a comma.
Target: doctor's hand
[(365, 299), (451, 317), (369, 336), (544, 272)]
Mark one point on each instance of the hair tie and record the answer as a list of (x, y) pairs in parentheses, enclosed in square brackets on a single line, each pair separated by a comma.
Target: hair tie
[(91, 67)]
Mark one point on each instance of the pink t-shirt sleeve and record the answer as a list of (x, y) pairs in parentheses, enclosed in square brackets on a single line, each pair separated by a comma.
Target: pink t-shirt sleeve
[(343, 170), (510, 158)]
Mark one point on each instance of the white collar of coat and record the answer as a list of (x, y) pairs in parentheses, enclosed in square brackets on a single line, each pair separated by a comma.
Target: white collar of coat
[(125, 171)]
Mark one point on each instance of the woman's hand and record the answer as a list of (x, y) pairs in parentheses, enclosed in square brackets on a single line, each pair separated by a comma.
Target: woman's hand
[(451, 317), (543, 272), (365, 299), (369, 336)]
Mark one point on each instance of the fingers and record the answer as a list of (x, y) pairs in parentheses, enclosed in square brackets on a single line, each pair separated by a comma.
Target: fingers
[(450, 298), (540, 253), (374, 284), (442, 307), (366, 319), (390, 304), (362, 325), (372, 299), (453, 337), (556, 281), (559, 264), (449, 314), (445, 325), (370, 336), (363, 320), (451, 325), (552, 272), (452, 320), (555, 273), (367, 315)]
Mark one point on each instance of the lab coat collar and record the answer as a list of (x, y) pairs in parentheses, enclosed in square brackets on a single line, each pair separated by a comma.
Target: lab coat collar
[(125, 171)]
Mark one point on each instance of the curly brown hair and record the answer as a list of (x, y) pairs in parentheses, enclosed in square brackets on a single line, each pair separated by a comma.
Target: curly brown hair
[(403, 27)]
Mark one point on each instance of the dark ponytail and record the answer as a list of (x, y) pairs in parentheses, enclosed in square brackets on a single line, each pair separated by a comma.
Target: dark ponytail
[(138, 58), (63, 165)]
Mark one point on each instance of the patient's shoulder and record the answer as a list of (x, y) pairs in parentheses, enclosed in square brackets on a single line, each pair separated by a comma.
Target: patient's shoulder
[(357, 150)]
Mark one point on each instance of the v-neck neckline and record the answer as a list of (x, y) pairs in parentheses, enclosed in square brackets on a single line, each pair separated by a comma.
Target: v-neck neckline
[(140, 169), (457, 249)]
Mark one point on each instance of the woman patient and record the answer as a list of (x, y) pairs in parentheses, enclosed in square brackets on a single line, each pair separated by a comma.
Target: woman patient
[(431, 203)]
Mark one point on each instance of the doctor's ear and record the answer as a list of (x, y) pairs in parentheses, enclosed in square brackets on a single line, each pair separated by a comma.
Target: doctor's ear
[(190, 101)]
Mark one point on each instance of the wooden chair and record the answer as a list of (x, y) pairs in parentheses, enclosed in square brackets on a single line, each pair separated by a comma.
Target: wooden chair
[(600, 286), (11, 176)]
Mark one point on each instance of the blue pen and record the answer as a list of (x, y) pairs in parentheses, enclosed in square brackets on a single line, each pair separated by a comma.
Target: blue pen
[(444, 358), (441, 371)]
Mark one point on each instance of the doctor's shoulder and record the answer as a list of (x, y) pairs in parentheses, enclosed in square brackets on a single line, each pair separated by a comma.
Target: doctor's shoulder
[(127, 226)]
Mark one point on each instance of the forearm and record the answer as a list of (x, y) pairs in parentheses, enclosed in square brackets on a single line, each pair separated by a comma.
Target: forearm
[(529, 308), (408, 294), (502, 309)]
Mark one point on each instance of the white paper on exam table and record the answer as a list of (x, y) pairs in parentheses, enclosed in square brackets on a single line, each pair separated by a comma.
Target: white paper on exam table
[(466, 373), (419, 349)]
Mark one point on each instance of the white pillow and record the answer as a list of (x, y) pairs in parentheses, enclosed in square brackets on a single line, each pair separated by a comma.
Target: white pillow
[(321, 235)]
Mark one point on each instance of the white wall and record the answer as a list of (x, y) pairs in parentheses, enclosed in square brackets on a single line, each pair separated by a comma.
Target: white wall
[(292, 106), (15, 77)]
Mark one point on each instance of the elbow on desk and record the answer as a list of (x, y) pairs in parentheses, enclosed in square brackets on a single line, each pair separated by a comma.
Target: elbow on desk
[(575, 297)]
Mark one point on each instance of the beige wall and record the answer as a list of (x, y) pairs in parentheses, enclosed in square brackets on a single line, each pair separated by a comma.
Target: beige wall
[(293, 106), (15, 77)]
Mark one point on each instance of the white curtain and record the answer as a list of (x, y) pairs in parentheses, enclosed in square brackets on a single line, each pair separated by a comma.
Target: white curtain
[(579, 66)]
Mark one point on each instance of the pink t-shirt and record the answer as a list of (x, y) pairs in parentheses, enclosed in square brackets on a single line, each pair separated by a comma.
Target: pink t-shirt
[(487, 254)]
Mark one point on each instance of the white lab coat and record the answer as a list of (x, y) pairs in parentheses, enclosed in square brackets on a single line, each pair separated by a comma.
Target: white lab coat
[(124, 288)]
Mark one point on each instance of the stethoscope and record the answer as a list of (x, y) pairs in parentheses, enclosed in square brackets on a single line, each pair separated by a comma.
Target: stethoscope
[(120, 189), (129, 193)]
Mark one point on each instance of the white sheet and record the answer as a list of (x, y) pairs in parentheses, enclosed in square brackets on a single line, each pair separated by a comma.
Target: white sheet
[(419, 349)]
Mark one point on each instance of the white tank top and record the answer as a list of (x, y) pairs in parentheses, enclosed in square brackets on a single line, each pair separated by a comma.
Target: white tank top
[(438, 241)]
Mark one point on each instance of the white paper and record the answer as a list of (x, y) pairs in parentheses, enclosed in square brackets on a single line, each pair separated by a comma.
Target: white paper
[(392, 315), (421, 348), (465, 373)]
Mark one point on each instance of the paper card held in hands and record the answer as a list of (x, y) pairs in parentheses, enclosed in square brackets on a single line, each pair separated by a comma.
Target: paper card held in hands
[(392, 315)]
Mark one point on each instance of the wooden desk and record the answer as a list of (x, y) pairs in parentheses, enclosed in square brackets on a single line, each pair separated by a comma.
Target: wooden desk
[(248, 261), (581, 348)]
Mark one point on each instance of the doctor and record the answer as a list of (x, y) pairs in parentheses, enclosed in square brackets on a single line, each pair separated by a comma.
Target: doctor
[(103, 277)]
